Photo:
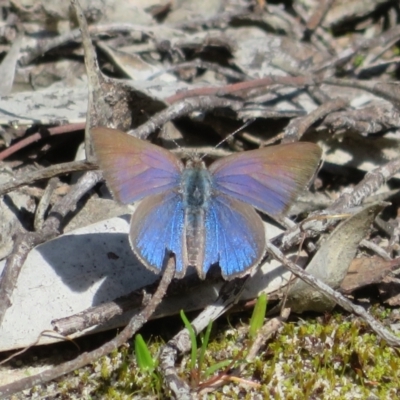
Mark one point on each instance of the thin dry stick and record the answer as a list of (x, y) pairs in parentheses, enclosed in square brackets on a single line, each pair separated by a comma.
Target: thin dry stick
[(297, 127), (338, 298), (229, 294), (25, 242), (242, 87), (387, 90), (44, 203), (369, 120), (46, 173), (57, 130), (134, 325), (181, 108), (223, 17), (347, 200), (46, 332), (267, 330), (369, 185), (98, 315), (102, 313), (43, 46), (375, 248), (318, 16), (99, 110), (228, 72)]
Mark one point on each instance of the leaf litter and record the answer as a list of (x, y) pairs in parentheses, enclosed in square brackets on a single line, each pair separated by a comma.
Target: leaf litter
[(324, 72)]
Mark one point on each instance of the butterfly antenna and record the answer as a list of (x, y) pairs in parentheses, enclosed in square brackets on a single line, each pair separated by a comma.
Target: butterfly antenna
[(245, 125), (164, 134)]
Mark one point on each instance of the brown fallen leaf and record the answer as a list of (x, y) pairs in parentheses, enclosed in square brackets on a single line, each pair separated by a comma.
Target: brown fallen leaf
[(366, 271)]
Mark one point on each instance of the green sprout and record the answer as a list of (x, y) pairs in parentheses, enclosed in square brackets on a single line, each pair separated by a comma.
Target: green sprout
[(257, 318)]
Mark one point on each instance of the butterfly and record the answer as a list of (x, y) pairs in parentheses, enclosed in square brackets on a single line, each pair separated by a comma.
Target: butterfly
[(202, 215)]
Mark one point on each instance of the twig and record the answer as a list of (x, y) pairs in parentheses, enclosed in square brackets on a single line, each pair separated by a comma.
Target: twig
[(181, 108), (57, 130), (347, 200), (393, 245), (44, 204), (46, 45), (317, 17), (69, 201), (229, 73), (319, 96), (102, 313), (387, 90), (376, 249), (297, 127), (390, 36), (338, 298), (229, 294), (134, 325), (368, 120), (8, 65), (46, 173), (268, 329), (223, 17), (381, 64), (242, 87), (369, 185), (25, 242), (99, 112), (97, 315), (43, 333)]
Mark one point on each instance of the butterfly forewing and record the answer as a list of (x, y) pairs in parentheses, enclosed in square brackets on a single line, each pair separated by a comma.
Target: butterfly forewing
[(134, 168), (234, 237), (268, 178)]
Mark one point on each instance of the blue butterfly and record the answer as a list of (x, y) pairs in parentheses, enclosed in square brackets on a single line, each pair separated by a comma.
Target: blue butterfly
[(203, 216)]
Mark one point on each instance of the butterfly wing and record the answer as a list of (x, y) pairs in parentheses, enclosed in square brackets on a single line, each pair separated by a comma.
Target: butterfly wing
[(134, 168), (235, 237), (269, 178), (157, 225)]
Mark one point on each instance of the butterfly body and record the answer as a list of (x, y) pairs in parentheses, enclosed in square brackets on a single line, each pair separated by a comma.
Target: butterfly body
[(196, 189), (202, 215)]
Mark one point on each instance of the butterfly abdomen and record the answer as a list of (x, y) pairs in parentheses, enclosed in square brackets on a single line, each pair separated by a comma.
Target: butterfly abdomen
[(196, 193)]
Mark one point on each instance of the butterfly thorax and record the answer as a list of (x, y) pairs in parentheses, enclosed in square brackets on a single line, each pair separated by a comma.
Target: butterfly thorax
[(196, 184)]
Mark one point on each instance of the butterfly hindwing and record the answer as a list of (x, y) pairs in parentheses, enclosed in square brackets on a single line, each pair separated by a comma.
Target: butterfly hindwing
[(157, 225), (134, 168), (234, 237), (269, 178)]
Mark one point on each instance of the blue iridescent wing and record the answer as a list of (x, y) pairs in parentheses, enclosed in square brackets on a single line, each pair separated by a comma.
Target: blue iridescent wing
[(234, 237), (270, 178), (134, 168), (157, 225)]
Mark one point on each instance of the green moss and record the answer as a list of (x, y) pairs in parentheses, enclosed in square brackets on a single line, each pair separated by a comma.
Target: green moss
[(331, 357), (358, 60)]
